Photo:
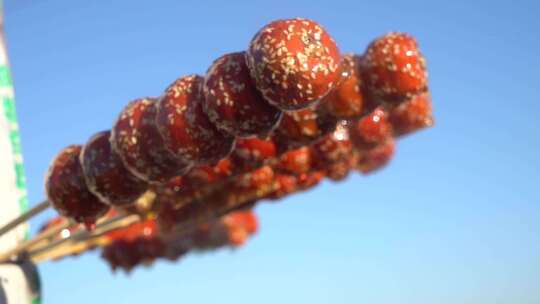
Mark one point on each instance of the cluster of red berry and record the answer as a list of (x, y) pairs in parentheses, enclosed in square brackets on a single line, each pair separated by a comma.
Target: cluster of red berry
[(142, 243), (260, 124)]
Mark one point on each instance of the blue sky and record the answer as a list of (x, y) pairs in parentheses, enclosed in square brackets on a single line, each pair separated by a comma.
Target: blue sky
[(455, 218)]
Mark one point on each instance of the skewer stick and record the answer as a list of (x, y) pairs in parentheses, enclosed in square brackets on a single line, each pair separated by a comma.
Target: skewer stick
[(24, 217), (85, 240), (36, 240), (81, 240)]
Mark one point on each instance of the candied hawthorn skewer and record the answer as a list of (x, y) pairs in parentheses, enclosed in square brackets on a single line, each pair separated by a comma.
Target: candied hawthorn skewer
[(143, 243), (185, 128), (294, 62), (67, 191), (233, 103), (136, 140), (393, 68), (391, 72), (106, 175)]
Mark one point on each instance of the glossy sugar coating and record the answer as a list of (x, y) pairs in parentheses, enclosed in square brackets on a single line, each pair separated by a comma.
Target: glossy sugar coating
[(106, 175), (393, 68), (294, 62), (346, 100), (233, 103), (185, 128), (412, 115), (138, 143), (67, 191), (302, 127)]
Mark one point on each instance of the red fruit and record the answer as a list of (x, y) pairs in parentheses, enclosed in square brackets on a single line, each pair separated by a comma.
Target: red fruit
[(67, 191), (237, 236), (185, 128), (412, 115), (296, 161), (252, 153), (106, 175), (346, 100), (377, 157), (251, 222), (303, 127), (240, 226), (232, 101), (371, 130), (393, 68), (136, 140), (334, 147), (294, 62)]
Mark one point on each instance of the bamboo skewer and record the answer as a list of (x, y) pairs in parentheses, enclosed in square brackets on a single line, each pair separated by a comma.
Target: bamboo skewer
[(36, 240), (82, 240), (24, 217)]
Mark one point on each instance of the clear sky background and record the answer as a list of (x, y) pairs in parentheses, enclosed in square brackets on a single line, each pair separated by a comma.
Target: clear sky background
[(455, 218)]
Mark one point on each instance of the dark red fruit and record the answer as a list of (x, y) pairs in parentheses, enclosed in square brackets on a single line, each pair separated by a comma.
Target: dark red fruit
[(412, 115), (136, 140), (346, 100), (106, 175), (371, 130), (232, 101), (303, 127), (185, 128), (67, 191), (294, 62), (393, 68)]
